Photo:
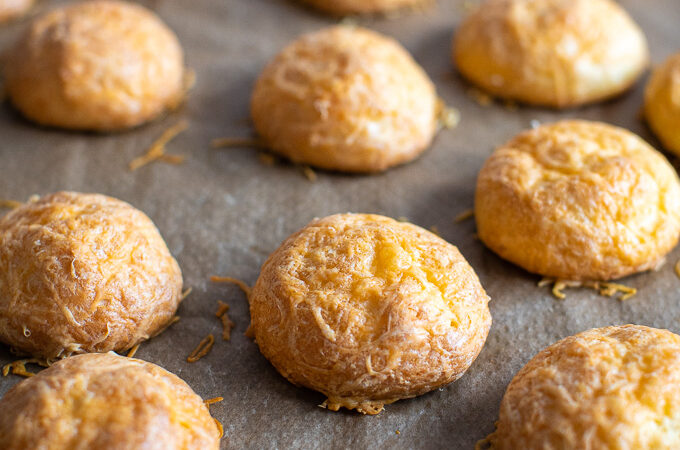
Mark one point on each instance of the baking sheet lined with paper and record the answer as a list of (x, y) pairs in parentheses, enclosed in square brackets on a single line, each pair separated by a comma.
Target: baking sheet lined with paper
[(223, 211)]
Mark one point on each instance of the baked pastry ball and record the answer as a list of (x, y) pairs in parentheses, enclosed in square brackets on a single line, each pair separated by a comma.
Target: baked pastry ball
[(105, 401), (614, 387), (578, 200), (95, 65), (662, 103), (83, 273), (555, 53), (345, 7), (11, 9), (368, 310), (345, 98)]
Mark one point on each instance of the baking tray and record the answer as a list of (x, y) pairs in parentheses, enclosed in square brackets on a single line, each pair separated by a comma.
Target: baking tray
[(223, 211)]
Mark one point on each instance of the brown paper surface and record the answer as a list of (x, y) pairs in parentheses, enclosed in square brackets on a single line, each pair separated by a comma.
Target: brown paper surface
[(223, 212)]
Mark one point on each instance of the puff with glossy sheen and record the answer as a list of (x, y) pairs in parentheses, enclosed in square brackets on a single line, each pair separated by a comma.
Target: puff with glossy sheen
[(95, 65), (105, 401), (614, 387), (578, 200), (345, 7), (557, 53), (346, 99), (662, 103), (83, 273), (11, 9), (368, 310)]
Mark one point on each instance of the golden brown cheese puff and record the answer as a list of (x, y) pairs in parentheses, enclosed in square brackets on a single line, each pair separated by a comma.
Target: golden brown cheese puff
[(556, 53), (607, 388), (345, 7), (11, 9), (95, 65), (662, 103), (368, 310), (105, 401), (345, 99), (578, 200), (83, 273)]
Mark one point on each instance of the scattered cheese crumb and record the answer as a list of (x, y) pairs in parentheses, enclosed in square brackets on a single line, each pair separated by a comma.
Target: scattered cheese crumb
[(227, 324), (309, 173), (606, 289), (220, 428), (228, 142), (157, 150), (397, 432), (465, 215), (677, 268), (19, 367), (202, 349), (133, 351), (241, 284), (435, 230), (448, 117), (9, 204), (266, 158), (185, 294), (212, 401), (174, 320), (481, 97)]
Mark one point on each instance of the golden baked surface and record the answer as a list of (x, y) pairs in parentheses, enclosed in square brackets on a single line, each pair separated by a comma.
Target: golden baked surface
[(368, 310), (578, 200), (10, 9), (105, 401), (662, 103), (95, 65), (608, 388), (344, 7), (556, 53), (83, 273), (345, 99)]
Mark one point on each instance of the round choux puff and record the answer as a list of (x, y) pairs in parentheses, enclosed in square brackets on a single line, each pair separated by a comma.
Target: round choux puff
[(104, 400), (83, 273), (578, 200), (101, 65), (368, 310), (555, 53), (662, 103), (613, 387), (347, 99)]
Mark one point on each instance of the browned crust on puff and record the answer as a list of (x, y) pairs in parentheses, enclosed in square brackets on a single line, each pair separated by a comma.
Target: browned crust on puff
[(346, 99), (368, 310), (105, 401), (613, 387), (83, 273), (578, 200), (556, 53), (96, 65)]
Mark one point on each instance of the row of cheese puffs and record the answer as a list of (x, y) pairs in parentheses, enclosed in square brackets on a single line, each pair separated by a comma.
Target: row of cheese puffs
[(362, 308)]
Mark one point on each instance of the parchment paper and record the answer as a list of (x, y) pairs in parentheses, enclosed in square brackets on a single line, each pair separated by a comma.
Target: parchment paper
[(223, 212)]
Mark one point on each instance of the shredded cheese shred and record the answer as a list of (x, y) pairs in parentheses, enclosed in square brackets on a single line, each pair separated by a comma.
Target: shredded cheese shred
[(212, 401), (227, 324), (173, 321), (677, 268), (19, 367), (309, 173), (9, 204), (465, 215), (133, 351), (230, 142), (202, 349), (447, 116), (156, 151), (241, 284), (606, 289)]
